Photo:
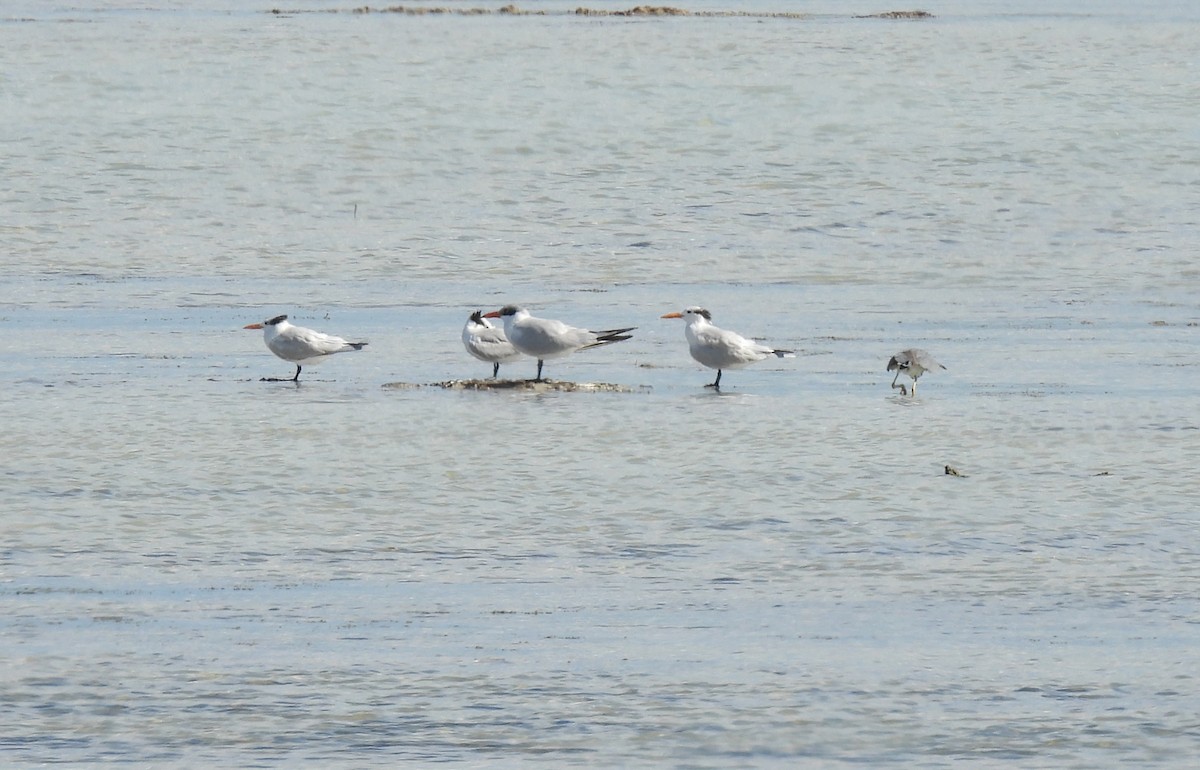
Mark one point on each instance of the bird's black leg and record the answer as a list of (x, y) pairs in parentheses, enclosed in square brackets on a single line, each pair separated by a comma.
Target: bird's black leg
[(539, 374), (715, 385), (495, 369), (297, 377)]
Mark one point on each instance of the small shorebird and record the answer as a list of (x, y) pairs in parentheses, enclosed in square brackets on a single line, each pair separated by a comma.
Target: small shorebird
[(913, 362), (543, 338), (299, 345), (719, 349), (487, 342)]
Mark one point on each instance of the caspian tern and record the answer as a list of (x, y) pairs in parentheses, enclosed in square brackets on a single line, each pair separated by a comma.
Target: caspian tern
[(543, 338), (487, 342), (719, 349), (914, 362), (299, 345)]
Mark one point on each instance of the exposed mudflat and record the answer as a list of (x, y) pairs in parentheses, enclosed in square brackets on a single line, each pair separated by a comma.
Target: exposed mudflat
[(533, 386), (639, 10)]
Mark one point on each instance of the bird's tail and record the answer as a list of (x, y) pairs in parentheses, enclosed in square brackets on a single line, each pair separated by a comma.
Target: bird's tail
[(610, 336), (784, 353), (357, 345)]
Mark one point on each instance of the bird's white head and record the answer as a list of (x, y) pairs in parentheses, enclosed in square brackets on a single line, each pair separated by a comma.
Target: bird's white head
[(276, 321), (507, 313), (692, 314)]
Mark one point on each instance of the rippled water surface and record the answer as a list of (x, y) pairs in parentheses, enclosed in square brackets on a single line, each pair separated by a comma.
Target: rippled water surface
[(201, 569)]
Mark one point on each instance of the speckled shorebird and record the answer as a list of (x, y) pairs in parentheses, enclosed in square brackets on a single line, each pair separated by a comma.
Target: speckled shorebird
[(544, 338), (913, 362), (718, 348), (299, 345), (487, 342)]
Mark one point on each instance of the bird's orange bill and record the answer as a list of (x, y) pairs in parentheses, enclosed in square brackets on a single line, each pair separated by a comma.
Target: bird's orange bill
[(672, 315), (493, 314), (252, 326)]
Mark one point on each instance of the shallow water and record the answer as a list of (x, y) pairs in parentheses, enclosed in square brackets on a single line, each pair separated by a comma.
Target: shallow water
[(201, 568)]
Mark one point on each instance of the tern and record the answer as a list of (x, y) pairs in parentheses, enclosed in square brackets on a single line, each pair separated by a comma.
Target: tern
[(719, 349), (487, 342), (543, 338), (299, 345), (914, 362)]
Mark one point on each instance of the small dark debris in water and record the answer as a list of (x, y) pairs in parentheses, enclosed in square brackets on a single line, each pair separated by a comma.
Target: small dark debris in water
[(532, 386), (639, 244), (897, 15), (952, 471), (1103, 473), (1159, 323)]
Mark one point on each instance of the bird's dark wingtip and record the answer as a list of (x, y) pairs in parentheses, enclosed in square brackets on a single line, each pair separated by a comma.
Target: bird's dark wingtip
[(615, 335)]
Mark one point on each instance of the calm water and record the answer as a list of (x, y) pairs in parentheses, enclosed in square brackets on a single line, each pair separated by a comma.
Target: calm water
[(201, 569)]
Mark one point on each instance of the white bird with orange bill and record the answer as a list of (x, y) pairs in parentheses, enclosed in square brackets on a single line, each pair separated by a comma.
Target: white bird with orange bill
[(299, 345), (719, 348), (544, 338)]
